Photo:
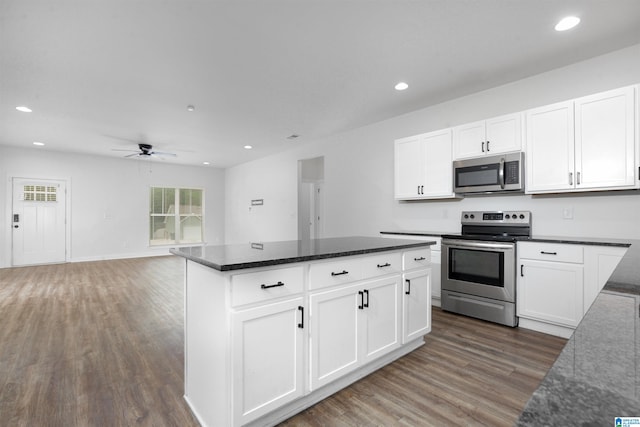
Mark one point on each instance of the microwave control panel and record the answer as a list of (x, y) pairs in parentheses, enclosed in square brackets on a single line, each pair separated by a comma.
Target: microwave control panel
[(511, 173)]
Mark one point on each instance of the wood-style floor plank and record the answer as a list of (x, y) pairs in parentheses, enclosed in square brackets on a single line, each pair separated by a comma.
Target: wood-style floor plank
[(101, 344)]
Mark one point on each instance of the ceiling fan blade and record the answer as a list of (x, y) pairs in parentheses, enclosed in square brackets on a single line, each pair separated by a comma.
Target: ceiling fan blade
[(132, 155), (119, 149), (160, 153)]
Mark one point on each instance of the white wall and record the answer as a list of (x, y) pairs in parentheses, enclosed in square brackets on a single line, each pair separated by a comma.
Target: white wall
[(359, 169), (109, 199)]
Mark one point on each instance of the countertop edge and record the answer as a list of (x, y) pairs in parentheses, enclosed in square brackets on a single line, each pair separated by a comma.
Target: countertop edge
[(292, 260), (590, 241)]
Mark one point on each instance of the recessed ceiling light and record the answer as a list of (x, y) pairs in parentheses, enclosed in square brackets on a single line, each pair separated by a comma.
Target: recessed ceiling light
[(248, 147), (39, 144), (24, 109), (191, 108), (567, 23), (206, 163), (401, 86)]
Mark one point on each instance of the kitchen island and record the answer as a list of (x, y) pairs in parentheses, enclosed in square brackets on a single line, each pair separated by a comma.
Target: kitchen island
[(596, 378), (273, 328)]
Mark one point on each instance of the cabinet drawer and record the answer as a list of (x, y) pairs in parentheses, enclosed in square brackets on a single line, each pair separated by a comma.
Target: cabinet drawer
[(259, 286), (551, 252), (326, 274), (379, 265), (416, 259)]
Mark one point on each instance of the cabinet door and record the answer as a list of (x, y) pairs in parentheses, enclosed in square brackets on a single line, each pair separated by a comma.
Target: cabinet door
[(416, 305), (436, 287), (550, 148), (408, 164), (599, 263), (504, 134), (550, 292), (333, 319), (605, 140), (268, 364), (437, 169), (469, 140), (380, 330)]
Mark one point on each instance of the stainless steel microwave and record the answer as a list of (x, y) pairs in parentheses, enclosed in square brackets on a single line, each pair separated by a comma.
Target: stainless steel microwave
[(489, 174)]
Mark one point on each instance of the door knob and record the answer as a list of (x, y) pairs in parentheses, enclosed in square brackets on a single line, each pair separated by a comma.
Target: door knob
[(16, 226)]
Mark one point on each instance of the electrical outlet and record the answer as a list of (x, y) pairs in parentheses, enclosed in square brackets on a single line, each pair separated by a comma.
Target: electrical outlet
[(567, 213)]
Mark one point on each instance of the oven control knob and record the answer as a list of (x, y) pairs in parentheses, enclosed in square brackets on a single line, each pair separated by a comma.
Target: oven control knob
[(466, 216), (507, 216), (521, 216), (472, 216)]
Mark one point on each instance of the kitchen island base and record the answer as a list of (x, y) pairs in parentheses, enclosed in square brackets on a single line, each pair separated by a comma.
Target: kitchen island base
[(264, 343), (289, 410)]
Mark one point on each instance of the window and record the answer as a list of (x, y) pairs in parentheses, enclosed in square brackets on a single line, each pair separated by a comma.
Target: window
[(39, 193), (175, 216)]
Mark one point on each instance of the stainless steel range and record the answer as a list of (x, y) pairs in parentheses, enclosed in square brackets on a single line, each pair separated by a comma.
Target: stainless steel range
[(479, 265)]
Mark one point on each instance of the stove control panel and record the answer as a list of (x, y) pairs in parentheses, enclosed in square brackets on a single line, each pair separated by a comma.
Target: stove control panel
[(496, 218)]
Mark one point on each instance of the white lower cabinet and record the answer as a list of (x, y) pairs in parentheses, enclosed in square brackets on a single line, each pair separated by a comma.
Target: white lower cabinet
[(416, 304), (268, 343), (557, 283), (352, 325), (551, 292)]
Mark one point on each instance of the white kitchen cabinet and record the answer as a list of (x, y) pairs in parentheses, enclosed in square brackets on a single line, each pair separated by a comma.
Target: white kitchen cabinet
[(264, 343), (494, 136), (352, 325), (586, 144), (423, 166), (416, 304), (551, 292), (434, 263), (268, 353), (599, 263)]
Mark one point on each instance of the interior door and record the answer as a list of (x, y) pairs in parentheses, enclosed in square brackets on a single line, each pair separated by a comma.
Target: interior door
[(38, 221)]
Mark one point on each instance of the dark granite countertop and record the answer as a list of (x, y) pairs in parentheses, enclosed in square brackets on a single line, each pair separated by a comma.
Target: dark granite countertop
[(597, 376), (418, 233), (597, 241), (250, 255)]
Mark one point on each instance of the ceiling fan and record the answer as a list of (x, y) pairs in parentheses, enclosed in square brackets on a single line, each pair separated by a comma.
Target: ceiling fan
[(146, 150)]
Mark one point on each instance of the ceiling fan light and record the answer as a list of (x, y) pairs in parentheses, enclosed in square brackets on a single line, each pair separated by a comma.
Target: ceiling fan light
[(567, 23)]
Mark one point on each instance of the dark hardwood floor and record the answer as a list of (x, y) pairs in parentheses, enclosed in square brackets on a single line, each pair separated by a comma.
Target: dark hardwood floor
[(101, 344)]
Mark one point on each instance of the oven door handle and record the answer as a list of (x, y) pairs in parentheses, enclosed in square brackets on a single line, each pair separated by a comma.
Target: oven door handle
[(464, 244), (501, 173)]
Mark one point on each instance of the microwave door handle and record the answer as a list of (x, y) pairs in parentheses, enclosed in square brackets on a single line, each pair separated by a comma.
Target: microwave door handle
[(501, 173)]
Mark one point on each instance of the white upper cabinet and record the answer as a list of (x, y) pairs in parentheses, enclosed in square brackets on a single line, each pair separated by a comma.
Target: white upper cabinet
[(605, 140), (549, 155), (423, 166), (586, 144), (494, 136)]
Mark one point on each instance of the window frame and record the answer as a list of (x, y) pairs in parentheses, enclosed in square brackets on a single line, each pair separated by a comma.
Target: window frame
[(177, 216)]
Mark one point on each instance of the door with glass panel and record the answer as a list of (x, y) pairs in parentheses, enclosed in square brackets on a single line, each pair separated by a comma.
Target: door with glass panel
[(38, 221)]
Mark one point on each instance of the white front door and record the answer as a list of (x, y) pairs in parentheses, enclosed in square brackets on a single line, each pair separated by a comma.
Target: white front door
[(38, 221)]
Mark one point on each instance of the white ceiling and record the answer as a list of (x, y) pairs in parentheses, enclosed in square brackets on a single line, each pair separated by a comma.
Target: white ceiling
[(104, 74)]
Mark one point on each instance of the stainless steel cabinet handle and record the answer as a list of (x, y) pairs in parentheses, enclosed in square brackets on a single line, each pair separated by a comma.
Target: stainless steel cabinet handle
[(578, 178), (570, 178)]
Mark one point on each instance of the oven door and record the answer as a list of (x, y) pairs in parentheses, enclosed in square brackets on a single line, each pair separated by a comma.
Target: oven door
[(485, 269)]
